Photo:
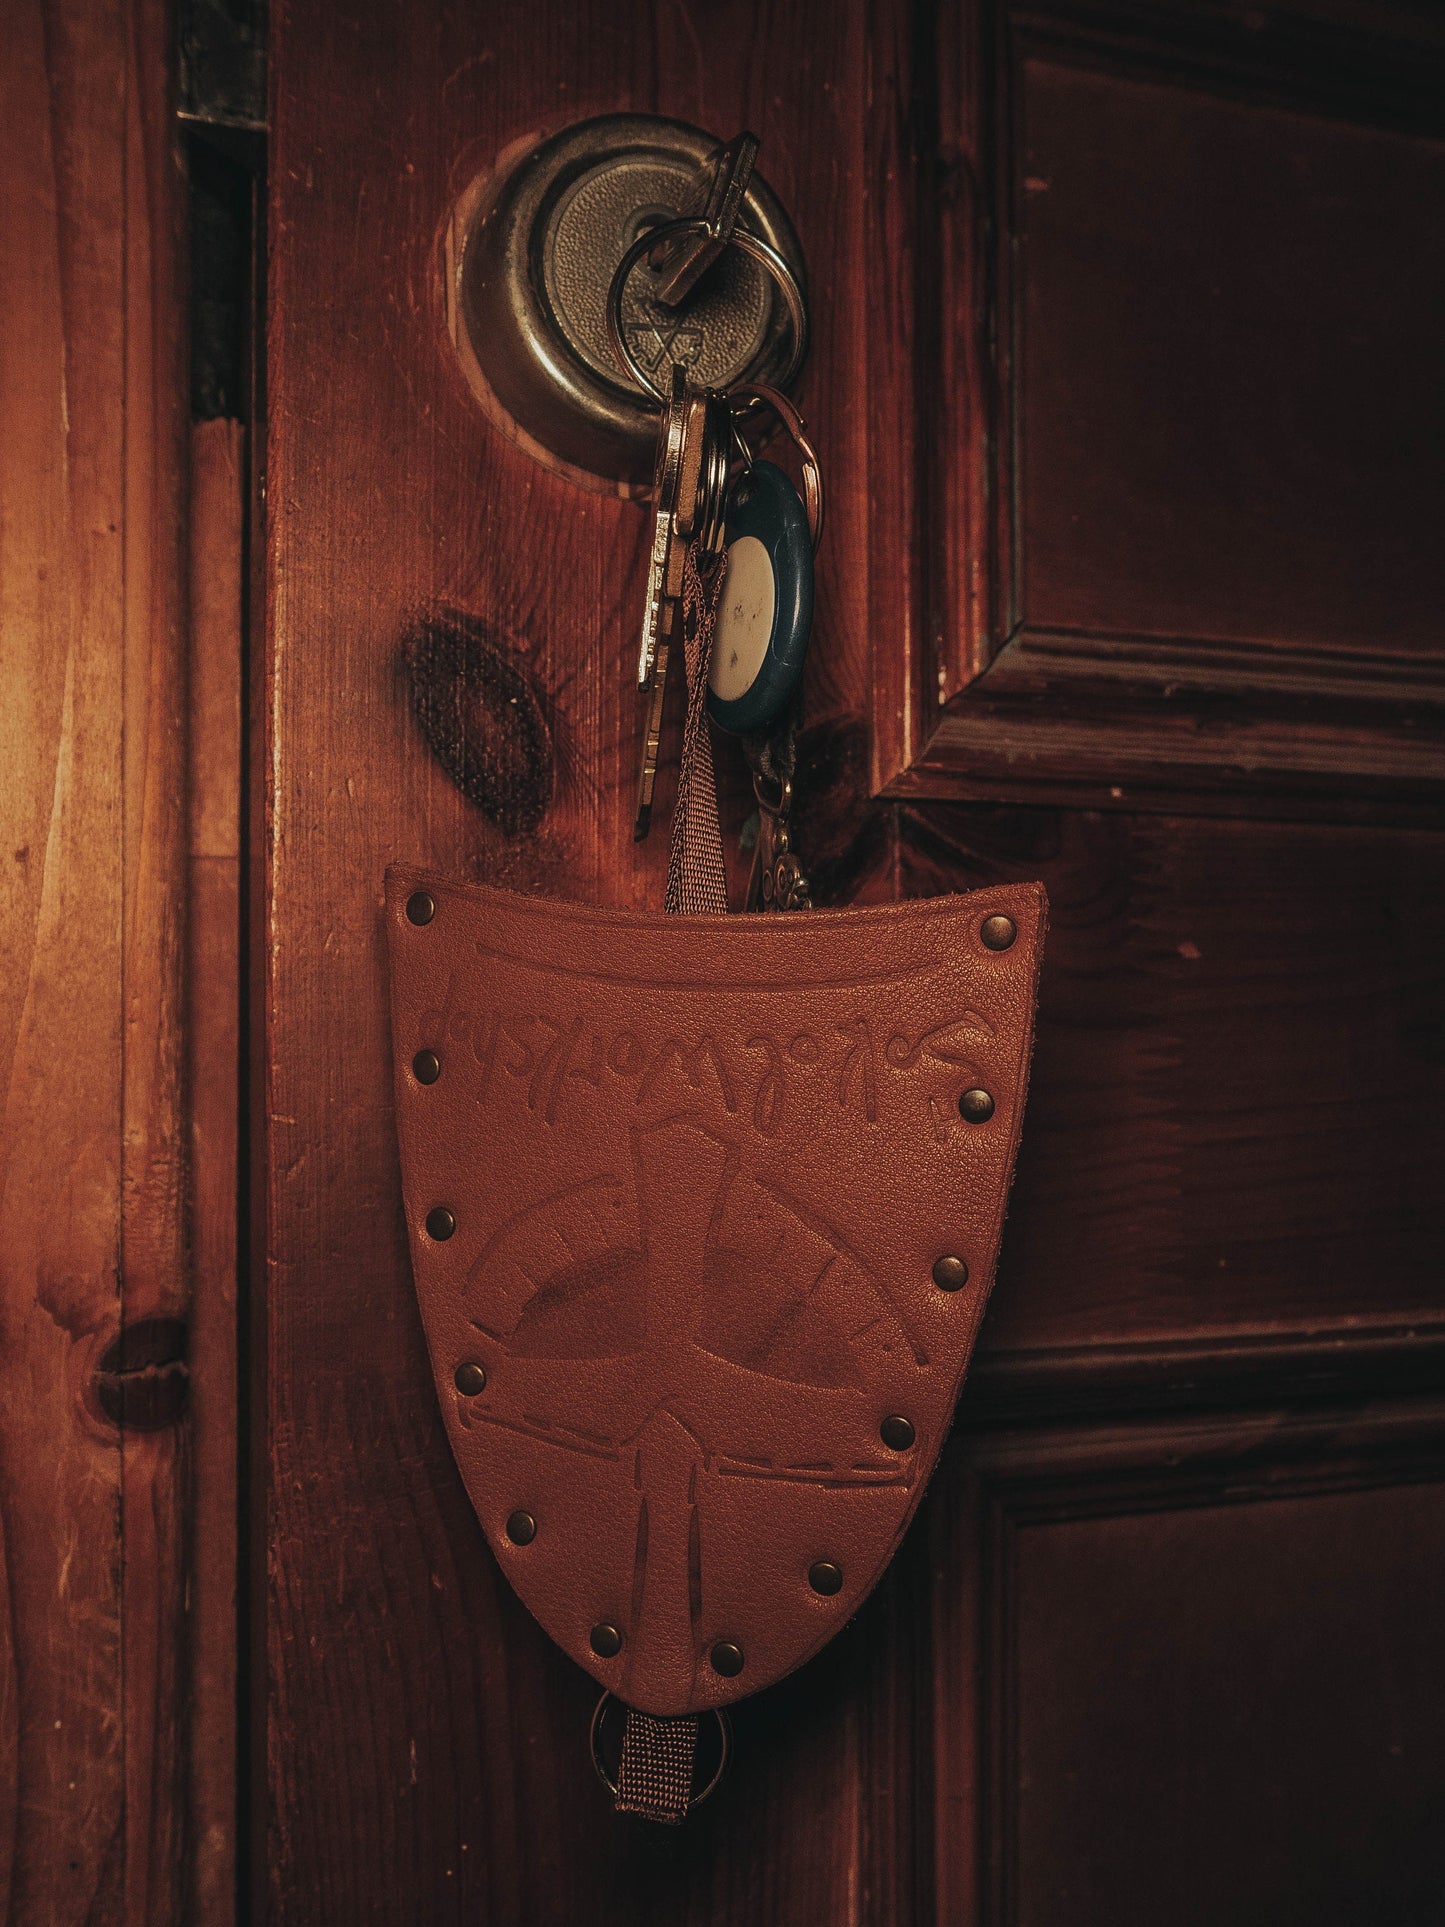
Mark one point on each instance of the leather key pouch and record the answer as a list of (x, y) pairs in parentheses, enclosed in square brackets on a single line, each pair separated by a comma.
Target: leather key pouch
[(703, 1215)]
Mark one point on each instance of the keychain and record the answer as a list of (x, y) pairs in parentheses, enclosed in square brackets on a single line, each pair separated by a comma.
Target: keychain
[(734, 542), (704, 1209), (766, 611), (767, 605), (761, 640)]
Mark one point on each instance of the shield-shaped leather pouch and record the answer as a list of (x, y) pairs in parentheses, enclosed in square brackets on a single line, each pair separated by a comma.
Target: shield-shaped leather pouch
[(703, 1215)]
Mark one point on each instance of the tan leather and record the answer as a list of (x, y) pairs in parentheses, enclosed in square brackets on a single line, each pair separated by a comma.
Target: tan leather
[(701, 1169)]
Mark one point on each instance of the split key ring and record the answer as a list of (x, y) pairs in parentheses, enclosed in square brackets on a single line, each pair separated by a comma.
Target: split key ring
[(692, 227)]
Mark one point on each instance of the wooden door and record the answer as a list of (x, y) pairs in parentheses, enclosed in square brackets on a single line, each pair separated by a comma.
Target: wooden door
[(99, 1597), (1125, 375)]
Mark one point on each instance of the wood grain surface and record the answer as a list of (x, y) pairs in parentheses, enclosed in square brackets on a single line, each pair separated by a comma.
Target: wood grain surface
[(1235, 1124), (1177, 1579), (91, 1218), (154, 1278), (427, 1748), (216, 522)]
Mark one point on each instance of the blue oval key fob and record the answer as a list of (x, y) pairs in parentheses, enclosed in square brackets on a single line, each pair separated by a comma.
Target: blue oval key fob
[(766, 608)]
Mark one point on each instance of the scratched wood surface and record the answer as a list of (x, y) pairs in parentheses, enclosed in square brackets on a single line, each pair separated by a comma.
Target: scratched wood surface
[(91, 1213), (450, 1778), (217, 513), (1235, 1120)]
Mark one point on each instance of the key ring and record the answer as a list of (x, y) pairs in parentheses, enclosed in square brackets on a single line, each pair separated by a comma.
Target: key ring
[(725, 1744), (691, 225), (749, 393)]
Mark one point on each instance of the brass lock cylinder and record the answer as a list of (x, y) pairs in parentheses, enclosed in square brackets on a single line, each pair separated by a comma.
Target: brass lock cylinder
[(533, 249)]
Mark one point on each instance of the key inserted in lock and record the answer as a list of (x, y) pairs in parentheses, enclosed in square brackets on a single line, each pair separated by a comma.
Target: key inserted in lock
[(681, 264), (532, 252)]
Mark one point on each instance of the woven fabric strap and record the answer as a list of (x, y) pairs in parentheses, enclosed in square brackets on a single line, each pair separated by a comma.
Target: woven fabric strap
[(655, 1778), (696, 876)]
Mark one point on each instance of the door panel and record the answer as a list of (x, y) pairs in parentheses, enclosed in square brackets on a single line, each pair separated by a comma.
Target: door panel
[(1227, 1207), (1198, 467), (1225, 1678), (1208, 1692), (1235, 1119), (1197, 505)]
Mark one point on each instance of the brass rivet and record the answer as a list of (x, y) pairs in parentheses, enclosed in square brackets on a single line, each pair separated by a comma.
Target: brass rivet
[(826, 1578), (896, 1433), (975, 1107), (421, 906), (727, 1658), (950, 1274), (440, 1223), (606, 1641), (998, 932), (521, 1528), (470, 1379), (426, 1067)]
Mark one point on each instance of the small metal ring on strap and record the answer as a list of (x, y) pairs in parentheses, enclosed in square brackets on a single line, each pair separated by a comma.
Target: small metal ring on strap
[(749, 393), (751, 245), (725, 1750)]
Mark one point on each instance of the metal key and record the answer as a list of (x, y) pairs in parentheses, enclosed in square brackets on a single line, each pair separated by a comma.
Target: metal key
[(692, 477), (681, 265), (666, 481)]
